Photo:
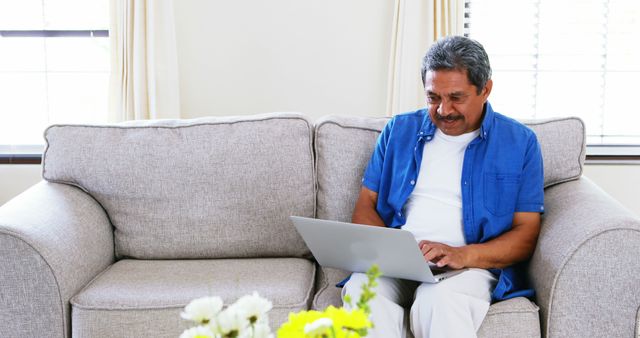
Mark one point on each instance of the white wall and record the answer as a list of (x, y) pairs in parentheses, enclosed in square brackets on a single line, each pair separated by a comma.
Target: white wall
[(16, 178), (620, 181), (253, 56)]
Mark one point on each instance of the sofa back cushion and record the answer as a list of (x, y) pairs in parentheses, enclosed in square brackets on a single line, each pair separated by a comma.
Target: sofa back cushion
[(344, 146), (201, 188), (563, 143)]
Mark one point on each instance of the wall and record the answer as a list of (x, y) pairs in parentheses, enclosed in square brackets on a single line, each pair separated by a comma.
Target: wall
[(16, 178), (620, 181), (317, 57)]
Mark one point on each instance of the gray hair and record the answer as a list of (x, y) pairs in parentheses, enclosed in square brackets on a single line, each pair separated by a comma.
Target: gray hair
[(459, 53)]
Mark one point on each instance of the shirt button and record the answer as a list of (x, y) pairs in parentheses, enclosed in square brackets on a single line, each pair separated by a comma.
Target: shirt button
[(413, 182), (465, 182), (399, 213), (428, 137)]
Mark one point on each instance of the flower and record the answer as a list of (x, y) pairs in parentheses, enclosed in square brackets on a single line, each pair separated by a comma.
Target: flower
[(248, 318), (257, 331), (333, 322), (319, 326), (254, 308), (202, 310), (355, 320), (260, 330), (296, 324), (198, 332), (232, 322)]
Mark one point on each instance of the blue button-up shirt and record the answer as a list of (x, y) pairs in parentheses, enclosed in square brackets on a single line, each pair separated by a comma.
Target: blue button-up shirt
[(501, 174)]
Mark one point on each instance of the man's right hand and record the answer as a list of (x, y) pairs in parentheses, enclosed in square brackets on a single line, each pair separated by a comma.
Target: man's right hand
[(443, 255), (365, 209)]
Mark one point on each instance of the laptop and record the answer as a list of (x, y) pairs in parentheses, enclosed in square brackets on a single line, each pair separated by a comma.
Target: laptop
[(355, 247)]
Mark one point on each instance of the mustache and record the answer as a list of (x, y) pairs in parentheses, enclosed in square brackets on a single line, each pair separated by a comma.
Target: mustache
[(448, 118)]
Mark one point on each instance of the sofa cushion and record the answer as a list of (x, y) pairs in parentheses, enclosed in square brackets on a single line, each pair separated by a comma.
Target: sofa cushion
[(326, 291), (137, 298), (563, 144), (517, 317), (344, 146), (219, 187)]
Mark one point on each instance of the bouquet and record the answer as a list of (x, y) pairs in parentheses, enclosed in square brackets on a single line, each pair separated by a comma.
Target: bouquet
[(248, 318)]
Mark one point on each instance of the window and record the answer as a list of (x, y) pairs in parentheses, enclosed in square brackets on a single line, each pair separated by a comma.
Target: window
[(54, 66), (564, 57)]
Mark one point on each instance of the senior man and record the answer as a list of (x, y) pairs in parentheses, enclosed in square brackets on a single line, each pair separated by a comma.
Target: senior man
[(468, 183)]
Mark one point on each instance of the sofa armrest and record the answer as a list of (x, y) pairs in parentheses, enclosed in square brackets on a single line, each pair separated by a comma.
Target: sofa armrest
[(586, 269), (54, 239)]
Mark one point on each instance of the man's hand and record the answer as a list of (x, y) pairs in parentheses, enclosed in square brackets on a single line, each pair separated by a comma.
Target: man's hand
[(513, 246), (443, 255)]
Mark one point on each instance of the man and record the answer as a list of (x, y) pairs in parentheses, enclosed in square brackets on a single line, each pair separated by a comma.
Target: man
[(468, 183)]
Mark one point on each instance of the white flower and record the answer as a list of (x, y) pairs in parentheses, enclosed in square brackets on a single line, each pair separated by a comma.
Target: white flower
[(318, 326), (231, 320), (259, 330), (254, 308), (202, 310), (198, 332)]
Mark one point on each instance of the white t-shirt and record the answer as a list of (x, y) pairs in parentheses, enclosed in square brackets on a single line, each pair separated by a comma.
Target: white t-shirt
[(434, 208)]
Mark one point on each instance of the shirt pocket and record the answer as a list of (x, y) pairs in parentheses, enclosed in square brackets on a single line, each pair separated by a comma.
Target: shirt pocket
[(501, 193)]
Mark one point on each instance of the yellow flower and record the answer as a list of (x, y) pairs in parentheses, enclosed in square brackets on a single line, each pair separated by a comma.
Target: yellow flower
[(295, 326), (318, 327), (354, 320), (352, 324)]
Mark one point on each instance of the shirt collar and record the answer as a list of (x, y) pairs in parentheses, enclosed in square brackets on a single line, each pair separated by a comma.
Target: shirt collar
[(428, 128), (487, 121)]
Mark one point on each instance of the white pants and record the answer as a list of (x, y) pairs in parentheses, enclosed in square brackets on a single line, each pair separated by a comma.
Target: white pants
[(455, 307)]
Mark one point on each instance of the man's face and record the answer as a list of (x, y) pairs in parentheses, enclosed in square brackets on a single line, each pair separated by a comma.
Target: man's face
[(454, 103)]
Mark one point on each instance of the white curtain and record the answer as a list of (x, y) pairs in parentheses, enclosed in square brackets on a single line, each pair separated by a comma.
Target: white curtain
[(144, 80), (416, 25)]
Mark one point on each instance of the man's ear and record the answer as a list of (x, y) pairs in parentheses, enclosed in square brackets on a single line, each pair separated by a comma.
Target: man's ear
[(487, 89)]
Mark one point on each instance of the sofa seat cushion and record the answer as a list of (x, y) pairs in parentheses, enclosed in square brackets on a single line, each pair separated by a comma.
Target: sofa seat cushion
[(517, 317), (143, 298)]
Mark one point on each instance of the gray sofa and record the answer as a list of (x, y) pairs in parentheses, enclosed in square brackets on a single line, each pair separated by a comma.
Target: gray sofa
[(134, 220)]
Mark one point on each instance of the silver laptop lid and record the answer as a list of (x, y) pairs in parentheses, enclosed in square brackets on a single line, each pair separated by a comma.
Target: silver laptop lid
[(355, 247)]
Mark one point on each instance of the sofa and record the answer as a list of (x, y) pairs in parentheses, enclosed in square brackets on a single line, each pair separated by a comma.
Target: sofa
[(134, 220)]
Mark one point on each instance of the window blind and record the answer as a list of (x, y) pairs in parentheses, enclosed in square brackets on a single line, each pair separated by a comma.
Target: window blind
[(564, 58), (54, 67)]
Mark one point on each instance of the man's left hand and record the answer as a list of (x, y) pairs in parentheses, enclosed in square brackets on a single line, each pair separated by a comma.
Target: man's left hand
[(443, 255)]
